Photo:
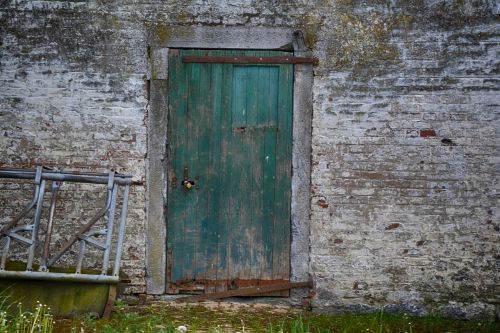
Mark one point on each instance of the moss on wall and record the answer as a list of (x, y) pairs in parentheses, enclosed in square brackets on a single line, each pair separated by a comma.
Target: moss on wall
[(163, 32), (310, 26), (63, 298), (359, 40)]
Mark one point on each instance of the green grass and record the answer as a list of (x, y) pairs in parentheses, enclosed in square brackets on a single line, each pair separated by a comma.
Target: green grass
[(38, 321), (164, 318), (231, 318)]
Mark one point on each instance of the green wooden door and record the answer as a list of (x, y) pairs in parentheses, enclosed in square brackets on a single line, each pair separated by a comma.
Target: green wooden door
[(230, 132)]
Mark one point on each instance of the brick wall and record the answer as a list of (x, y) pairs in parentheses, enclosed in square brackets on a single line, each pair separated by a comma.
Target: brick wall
[(73, 97), (405, 180), (405, 160)]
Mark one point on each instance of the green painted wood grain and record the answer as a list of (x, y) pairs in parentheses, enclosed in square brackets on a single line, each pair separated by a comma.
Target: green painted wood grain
[(225, 175), (201, 170), (283, 174), (179, 201), (231, 126), (213, 226)]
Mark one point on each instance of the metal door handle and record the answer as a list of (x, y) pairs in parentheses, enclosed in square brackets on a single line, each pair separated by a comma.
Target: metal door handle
[(186, 182)]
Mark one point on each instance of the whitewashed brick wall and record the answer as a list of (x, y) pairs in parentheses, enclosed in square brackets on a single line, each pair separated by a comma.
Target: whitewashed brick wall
[(405, 181)]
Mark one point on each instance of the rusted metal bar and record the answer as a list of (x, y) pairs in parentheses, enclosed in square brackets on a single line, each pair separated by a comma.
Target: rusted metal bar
[(247, 291), (110, 302), (250, 60)]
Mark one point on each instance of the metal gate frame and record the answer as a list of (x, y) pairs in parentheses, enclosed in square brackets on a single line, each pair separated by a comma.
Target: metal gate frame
[(84, 235)]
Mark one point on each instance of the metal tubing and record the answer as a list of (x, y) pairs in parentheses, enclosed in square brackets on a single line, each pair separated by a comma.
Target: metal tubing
[(84, 228), (48, 235), (80, 257), (38, 175), (78, 178), (60, 277), (94, 242), (84, 173), (109, 231), (41, 176), (13, 236), (83, 242), (36, 224), (121, 233), (5, 253)]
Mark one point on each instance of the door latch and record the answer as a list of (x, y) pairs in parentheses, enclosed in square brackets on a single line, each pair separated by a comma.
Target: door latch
[(186, 182)]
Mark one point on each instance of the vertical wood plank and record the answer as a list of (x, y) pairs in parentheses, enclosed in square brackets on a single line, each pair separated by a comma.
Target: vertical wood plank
[(190, 231), (201, 170), (252, 241), (268, 158), (238, 257), (281, 243), (225, 207), (213, 177), (178, 129), (239, 106), (258, 161)]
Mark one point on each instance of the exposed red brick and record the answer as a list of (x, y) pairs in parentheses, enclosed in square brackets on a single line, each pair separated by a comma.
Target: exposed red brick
[(427, 133), (142, 299), (322, 203), (392, 226), (369, 175)]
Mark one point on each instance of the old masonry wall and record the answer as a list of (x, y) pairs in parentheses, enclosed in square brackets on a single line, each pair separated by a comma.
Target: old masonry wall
[(405, 150)]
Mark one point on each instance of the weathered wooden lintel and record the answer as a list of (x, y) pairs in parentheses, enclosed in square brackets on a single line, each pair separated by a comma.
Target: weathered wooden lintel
[(250, 60), (246, 291)]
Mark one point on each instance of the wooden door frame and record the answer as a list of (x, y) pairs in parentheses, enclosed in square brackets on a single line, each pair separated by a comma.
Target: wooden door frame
[(157, 164)]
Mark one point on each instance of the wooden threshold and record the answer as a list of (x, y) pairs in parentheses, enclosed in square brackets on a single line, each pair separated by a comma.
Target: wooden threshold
[(246, 291)]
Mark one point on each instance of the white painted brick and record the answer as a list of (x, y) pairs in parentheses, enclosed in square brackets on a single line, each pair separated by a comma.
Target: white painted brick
[(387, 202)]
